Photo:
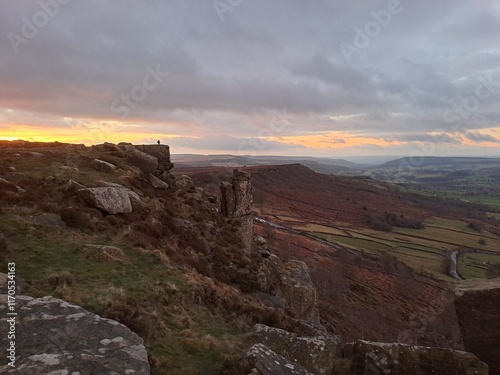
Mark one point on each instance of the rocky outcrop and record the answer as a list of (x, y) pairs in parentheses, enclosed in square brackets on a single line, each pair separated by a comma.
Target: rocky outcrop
[(161, 153), (381, 358), (263, 361), (237, 196), (236, 202), (145, 162), (102, 166), (181, 183), (291, 281), (111, 200), (317, 354), (477, 305), (56, 337)]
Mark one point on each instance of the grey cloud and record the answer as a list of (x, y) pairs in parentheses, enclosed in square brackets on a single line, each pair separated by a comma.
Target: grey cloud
[(263, 56), (479, 137)]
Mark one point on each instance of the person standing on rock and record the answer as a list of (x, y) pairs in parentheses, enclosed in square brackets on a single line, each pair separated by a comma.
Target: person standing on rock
[(158, 142)]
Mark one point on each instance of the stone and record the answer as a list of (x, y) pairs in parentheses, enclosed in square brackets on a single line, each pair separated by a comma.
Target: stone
[(57, 337), (367, 357), (9, 186), (146, 163), (135, 199), (291, 280), (48, 220), (111, 200), (161, 153), (237, 196), (70, 187), (103, 166), (236, 202), (182, 183), (317, 354), (157, 183), (266, 362), (103, 253), (228, 200)]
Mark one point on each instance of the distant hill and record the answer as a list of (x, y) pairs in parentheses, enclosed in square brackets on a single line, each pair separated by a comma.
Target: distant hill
[(320, 165), (435, 161)]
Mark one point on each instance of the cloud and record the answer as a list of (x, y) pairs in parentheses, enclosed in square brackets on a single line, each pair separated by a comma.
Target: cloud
[(228, 77), (479, 137)]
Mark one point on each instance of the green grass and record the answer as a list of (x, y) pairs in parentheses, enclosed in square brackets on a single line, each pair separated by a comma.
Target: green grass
[(422, 249), (195, 340)]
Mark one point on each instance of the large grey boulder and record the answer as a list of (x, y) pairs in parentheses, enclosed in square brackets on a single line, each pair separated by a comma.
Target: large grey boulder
[(266, 362), (182, 183), (390, 358), (58, 338), (317, 354), (157, 183), (141, 160), (102, 166), (111, 200)]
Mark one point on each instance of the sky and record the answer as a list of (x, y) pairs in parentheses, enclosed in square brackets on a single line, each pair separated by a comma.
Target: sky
[(255, 77)]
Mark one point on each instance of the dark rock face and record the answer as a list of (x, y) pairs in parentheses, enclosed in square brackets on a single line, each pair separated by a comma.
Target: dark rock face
[(161, 153), (478, 307), (398, 359), (236, 202), (56, 337)]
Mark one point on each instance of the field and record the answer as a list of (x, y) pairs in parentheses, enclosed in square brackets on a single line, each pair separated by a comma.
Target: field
[(421, 249)]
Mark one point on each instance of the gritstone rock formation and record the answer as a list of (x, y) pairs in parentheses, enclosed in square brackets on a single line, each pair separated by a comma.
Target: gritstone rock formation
[(56, 337), (236, 202)]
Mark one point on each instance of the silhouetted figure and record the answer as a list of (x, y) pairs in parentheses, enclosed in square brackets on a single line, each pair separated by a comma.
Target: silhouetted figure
[(158, 141)]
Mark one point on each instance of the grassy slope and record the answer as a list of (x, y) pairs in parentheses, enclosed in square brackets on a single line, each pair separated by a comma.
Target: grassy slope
[(174, 308)]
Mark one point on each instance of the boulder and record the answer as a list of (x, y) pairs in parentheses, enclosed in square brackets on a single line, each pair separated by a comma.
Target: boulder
[(317, 354), (135, 200), (157, 183), (266, 362), (182, 183), (9, 186), (56, 337), (291, 280), (47, 219), (146, 163), (103, 253), (160, 152), (102, 166), (367, 357), (111, 200), (70, 187)]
